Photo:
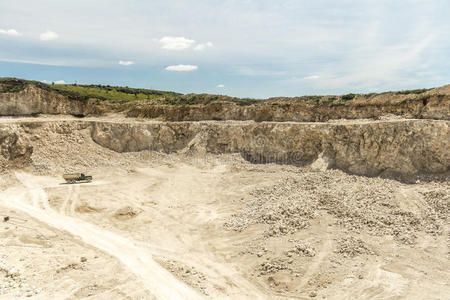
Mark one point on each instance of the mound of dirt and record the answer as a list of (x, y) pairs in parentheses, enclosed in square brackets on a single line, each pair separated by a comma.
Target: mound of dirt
[(359, 204)]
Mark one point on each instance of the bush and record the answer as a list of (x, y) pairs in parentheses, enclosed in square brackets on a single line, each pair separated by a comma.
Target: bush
[(12, 85), (348, 97), (417, 91)]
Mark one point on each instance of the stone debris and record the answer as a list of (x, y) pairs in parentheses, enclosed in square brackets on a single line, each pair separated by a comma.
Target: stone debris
[(188, 274), (12, 283), (277, 207), (351, 247), (359, 204), (274, 265), (302, 248), (127, 212)]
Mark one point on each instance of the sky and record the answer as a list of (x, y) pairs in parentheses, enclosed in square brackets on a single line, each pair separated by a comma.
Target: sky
[(243, 48)]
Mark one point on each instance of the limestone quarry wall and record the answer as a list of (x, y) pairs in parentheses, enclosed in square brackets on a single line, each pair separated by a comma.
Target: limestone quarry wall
[(404, 147), (366, 148), (434, 104), (33, 100), (427, 106)]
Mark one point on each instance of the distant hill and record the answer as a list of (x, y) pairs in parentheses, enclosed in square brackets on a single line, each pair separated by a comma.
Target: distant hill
[(25, 97)]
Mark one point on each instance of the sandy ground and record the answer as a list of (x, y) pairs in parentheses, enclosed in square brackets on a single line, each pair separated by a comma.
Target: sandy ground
[(180, 227)]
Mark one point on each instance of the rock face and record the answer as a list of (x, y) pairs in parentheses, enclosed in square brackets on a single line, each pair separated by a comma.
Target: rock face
[(15, 149), (365, 148), (426, 106), (33, 100), (370, 148), (266, 131), (433, 104)]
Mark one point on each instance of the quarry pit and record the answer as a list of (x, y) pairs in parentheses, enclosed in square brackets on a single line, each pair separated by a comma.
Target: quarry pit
[(230, 207)]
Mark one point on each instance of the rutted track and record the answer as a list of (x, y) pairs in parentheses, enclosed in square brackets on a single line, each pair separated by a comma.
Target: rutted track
[(155, 278)]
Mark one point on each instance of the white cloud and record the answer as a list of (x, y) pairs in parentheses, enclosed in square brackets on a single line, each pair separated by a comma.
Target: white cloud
[(12, 32), (220, 86), (36, 62), (203, 46), (181, 68), (311, 77), (175, 43), (126, 62), (48, 36)]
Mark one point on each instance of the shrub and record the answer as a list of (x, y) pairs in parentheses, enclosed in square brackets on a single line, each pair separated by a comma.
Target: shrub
[(417, 91), (348, 97)]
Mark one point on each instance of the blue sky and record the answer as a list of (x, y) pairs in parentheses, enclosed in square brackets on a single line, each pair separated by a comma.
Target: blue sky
[(241, 48)]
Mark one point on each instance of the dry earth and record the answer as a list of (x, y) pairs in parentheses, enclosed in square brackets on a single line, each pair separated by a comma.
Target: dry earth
[(192, 225)]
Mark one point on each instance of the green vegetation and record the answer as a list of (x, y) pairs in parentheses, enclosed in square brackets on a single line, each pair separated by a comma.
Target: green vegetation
[(11, 89), (417, 91), (125, 94), (109, 93), (120, 94), (11, 85), (348, 97), (194, 99), (313, 98)]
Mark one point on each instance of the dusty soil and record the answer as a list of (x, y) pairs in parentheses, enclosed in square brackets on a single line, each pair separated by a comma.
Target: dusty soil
[(195, 225)]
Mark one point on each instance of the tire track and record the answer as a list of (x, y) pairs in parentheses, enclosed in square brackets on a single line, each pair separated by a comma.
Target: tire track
[(157, 280)]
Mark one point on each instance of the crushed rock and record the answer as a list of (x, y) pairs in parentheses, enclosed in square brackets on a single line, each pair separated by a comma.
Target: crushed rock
[(274, 265), (285, 212), (12, 283), (186, 273), (303, 249), (351, 247), (359, 204)]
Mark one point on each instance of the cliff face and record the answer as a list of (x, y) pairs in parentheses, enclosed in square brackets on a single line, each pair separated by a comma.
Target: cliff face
[(15, 148), (427, 106), (33, 100), (434, 104), (267, 131), (370, 148), (403, 147)]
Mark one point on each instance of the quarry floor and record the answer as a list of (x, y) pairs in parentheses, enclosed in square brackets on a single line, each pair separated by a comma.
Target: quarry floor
[(176, 226)]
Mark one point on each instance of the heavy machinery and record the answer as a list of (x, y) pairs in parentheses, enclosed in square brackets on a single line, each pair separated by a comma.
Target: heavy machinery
[(77, 177)]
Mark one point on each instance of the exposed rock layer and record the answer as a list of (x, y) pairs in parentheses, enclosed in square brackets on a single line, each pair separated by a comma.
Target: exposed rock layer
[(433, 104), (33, 100), (15, 148), (427, 106), (367, 148)]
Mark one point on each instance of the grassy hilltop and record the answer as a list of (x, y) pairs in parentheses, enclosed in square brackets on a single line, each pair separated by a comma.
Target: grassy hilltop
[(120, 94)]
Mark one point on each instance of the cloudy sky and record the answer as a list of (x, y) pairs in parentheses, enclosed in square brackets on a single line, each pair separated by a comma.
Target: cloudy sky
[(244, 48)]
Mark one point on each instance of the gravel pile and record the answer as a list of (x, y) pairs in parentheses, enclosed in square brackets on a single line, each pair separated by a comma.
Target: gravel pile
[(351, 247), (303, 249), (359, 204), (274, 265), (69, 150), (285, 212)]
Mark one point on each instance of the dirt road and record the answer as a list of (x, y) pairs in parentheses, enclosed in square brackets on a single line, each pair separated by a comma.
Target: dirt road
[(155, 278)]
